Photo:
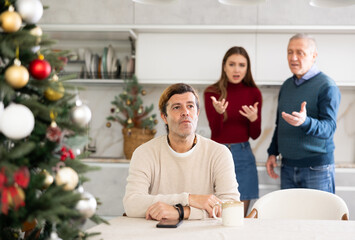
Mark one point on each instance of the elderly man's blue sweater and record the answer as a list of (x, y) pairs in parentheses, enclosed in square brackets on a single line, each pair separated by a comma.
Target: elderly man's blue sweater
[(310, 144)]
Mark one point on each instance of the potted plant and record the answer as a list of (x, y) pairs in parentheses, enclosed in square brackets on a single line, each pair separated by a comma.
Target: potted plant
[(137, 121)]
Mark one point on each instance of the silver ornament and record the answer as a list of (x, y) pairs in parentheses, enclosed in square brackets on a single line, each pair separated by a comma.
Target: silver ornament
[(87, 205), (81, 115), (31, 11), (35, 48)]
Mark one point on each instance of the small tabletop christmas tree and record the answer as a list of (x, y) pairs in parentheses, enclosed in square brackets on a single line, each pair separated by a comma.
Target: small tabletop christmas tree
[(40, 171), (129, 110), (133, 116)]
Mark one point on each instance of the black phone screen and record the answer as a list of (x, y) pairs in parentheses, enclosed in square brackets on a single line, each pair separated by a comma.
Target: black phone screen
[(169, 223)]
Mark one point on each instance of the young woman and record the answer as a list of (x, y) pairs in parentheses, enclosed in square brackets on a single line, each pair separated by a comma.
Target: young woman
[(233, 108)]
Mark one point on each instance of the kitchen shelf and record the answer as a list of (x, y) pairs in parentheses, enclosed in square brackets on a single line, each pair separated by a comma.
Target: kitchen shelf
[(112, 31), (97, 81)]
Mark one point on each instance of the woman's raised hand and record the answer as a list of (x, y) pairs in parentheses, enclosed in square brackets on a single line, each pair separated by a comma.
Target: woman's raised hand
[(250, 112), (220, 106)]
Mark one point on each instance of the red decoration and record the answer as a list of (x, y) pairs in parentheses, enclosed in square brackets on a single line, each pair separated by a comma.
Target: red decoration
[(13, 195), (3, 179), (22, 177), (40, 69), (64, 61), (66, 153), (54, 133)]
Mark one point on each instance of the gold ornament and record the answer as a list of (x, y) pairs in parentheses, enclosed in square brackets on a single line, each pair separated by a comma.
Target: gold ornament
[(37, 32), (21, 194), (67, 177), (17, 76), (48, 179), (143, 92), (54, 95), (55, 78), (10, 20), (128, 102), (108, 124), (155, 121), (129, 121)]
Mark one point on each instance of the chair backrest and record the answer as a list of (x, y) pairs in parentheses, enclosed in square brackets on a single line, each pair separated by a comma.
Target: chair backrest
[(300, 203)]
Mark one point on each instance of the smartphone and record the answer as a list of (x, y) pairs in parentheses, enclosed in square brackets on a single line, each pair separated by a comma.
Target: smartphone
[(169, 223)]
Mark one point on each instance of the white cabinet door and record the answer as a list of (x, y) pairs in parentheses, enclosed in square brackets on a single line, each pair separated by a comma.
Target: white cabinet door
[(335, 54), (192, 58)]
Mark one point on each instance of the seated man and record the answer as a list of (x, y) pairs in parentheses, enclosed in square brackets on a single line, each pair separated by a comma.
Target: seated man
[(180, 169)]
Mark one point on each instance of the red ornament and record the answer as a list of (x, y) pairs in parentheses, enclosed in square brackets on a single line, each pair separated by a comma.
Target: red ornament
[(40, 69)]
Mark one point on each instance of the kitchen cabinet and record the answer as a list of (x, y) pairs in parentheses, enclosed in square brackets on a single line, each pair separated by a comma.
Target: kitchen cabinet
[(193, 53)]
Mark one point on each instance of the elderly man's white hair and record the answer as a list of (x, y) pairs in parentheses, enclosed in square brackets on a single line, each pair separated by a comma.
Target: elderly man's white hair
[(311, 41)]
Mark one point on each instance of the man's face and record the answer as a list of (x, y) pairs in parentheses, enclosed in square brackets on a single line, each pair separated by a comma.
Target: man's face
[(182, 115), (301, 56)]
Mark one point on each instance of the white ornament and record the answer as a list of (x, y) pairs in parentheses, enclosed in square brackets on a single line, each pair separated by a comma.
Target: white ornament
[(68, 177), (31, 11), (81, 115), (17, 121), (87, 205)]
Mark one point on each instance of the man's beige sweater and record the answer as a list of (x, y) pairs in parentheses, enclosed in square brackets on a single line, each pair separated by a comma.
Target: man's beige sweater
[(157, 173)]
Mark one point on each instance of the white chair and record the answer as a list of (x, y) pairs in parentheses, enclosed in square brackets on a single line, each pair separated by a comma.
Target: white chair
[(300, 203)]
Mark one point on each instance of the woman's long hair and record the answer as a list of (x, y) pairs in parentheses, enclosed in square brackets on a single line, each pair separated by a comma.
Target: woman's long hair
[(221, 85)]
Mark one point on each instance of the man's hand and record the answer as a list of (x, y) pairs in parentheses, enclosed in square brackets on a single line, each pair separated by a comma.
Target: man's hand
[(297, 118), (250, 112), (219, 106), (160, 210), (205, 202), (270, 165)]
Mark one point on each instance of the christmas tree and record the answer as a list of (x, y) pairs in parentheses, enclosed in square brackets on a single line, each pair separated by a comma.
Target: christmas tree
[(42, 130), (129, 110), (138, 124)]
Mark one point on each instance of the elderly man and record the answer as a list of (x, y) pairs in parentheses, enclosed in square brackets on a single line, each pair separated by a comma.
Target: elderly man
[(306, 122), (181, 174)]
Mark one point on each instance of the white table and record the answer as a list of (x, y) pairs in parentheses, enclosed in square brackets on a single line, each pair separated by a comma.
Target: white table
[(140, 229)]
